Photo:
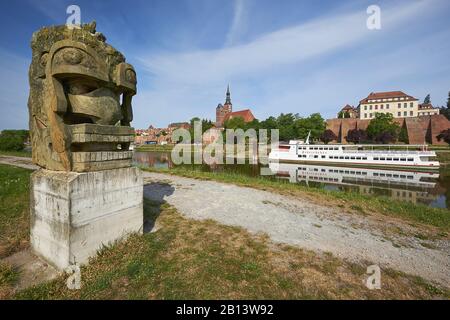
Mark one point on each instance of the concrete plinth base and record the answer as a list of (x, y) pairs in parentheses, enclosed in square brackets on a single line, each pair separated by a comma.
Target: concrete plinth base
[(75, 214)]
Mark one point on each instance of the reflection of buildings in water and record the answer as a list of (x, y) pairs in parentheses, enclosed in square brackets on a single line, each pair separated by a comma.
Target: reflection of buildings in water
[(401, 185), (151, 159)]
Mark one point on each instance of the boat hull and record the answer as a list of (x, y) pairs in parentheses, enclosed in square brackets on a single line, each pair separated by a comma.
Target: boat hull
[(360, 164)]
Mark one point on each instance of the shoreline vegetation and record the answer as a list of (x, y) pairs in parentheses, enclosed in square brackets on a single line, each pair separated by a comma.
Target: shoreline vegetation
[(181, 258)]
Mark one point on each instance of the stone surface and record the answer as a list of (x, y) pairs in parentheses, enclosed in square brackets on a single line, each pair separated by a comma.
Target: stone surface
[(75, 214), (80, 99)]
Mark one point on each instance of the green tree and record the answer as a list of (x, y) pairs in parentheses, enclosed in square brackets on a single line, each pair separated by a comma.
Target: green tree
[(383, 128), (446, 110), (314, 123), (403, 135), (286, 125), (235, 123), (13, 140), (427, 99)]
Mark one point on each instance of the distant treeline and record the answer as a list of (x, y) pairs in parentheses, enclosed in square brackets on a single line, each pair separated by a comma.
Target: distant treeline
[(13, 140)]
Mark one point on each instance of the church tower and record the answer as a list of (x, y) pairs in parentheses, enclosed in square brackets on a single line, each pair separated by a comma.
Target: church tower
[(223, 110)]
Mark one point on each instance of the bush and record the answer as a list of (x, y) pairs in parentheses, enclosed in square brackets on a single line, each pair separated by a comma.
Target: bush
[(13, 140)]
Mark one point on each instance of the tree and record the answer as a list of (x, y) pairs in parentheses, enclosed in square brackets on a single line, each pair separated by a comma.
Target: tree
[(13, 140), (444, 135), (448, 101), (403, 135), (286, 125), (383, 128), (356, 136), (427, 99), (328, 136), (314, 123), (446, 110)]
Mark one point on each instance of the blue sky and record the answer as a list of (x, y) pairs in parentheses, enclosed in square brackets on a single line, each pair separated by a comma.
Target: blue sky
[(278, 56)]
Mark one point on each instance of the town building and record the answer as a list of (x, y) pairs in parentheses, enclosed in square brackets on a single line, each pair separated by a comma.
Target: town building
[(427, 109), (397, 103), (348, 111), (225, 112)]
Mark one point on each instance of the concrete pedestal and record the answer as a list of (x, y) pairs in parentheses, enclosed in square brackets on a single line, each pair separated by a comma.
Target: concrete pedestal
[(75, 214)]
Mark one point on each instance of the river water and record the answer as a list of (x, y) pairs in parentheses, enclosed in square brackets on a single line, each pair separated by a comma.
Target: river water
[(429, 188)]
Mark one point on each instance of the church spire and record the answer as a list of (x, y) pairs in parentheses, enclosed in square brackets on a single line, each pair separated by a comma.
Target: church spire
[(228, 99)]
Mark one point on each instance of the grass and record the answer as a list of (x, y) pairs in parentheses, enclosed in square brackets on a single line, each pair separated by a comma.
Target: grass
[(25, 154), (14, 207), (154, 147), (8, 278), (188, 259), (354, 202)]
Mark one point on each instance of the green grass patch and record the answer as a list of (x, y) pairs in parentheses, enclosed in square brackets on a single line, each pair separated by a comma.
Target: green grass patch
[(14, 207), (189, 259), (416, 213)]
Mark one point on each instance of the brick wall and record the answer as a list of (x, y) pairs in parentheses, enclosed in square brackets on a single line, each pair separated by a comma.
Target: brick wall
[(420, 130)]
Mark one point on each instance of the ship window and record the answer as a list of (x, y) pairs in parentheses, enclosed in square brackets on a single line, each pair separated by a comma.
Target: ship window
[(364, 173), (395, 175), (321, 148), (364, 158), (389, 159), (353, 158), (358, 158), (375, 158), (402, 176), (347, 158), (323, 157), (410, 159), (402, 159), (382, 159), (395, 159), (382, 174), (389, 175), (341, 157), (316, 156), (375, 174), (410, 177)]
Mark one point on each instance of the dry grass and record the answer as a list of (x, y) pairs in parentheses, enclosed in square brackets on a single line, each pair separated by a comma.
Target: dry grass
[(188, 259)]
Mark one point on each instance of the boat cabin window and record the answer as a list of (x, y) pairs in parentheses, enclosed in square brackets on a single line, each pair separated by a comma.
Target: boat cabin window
[(410, 159), (364, 158), (375, 158), (389, 159)]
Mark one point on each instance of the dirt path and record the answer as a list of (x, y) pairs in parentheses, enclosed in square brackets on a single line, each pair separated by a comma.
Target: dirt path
[(301, 223), (18, 162)]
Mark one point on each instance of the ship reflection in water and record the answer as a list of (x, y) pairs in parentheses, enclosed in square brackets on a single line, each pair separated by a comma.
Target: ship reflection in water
[(411, 186), (430, 188)]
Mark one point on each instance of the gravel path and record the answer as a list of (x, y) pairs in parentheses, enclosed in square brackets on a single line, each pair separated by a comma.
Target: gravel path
[(18, 162), (300, 223)]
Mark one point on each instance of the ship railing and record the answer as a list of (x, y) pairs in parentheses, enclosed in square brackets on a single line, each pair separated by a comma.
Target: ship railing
[(390, 152)]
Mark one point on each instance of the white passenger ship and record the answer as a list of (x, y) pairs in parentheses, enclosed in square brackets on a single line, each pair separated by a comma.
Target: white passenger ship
[(396, 156)]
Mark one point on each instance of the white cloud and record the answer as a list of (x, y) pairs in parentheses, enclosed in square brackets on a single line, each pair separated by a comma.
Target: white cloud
[(236, 25), (191, 83)]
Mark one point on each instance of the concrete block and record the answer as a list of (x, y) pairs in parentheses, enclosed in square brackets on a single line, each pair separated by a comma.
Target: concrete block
[(73, 215)]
